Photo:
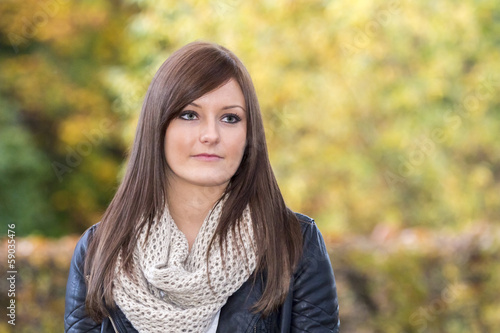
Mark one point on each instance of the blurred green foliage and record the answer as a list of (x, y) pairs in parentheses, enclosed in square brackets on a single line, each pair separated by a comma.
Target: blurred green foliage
[(417, 281), (392, 281), (379, 115), (40, 284), (375, 112), (60, 147)]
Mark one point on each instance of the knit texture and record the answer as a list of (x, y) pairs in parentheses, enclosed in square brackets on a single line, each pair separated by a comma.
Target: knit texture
[(171, 289)]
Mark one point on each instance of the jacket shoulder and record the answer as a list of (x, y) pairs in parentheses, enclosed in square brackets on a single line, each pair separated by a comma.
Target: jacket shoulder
[(81, 247), (75, 316), (87, 235), (308, 225), (304, 218), (314, 304)]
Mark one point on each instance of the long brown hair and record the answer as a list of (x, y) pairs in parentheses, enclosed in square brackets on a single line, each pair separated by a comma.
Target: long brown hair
[(188, 74)]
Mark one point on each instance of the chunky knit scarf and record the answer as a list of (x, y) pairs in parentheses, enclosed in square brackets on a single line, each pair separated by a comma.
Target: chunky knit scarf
[(171, 289)]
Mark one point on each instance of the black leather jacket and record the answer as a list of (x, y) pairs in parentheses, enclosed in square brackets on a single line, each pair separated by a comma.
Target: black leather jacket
[(311, 304)]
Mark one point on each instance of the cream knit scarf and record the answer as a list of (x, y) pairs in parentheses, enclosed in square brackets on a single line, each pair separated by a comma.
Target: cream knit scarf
[(170, 290)]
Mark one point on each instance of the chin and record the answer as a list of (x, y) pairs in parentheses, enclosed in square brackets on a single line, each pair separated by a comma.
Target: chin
[(213, 183)]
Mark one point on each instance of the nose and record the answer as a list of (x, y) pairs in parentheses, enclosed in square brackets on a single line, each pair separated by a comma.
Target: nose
[(209, 132)]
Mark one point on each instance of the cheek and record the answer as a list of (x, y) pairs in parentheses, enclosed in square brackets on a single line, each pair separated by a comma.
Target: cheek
[(172, 146), (239, 146)]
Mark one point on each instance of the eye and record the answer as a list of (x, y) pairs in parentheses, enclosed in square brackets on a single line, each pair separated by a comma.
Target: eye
[(231, 118), (188, 115)]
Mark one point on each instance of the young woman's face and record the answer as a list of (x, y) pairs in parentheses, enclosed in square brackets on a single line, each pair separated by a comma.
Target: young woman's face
[(204, 145)]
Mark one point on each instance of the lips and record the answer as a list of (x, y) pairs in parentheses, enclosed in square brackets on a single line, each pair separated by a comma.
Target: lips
[(207, 157)]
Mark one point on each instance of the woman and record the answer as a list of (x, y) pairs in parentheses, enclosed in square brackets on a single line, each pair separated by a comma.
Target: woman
[(198, 237)]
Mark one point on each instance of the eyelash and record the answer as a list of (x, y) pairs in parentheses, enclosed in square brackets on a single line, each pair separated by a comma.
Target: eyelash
[(235, 116), (188, 113)]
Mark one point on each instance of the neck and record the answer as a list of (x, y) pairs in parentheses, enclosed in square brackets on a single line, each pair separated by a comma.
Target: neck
[(190, 204)]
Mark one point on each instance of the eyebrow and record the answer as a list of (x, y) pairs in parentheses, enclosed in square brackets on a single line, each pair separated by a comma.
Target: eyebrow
[(224, 108)]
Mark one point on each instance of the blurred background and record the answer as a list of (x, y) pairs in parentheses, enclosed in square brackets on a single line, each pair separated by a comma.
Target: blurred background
[(382, 120)]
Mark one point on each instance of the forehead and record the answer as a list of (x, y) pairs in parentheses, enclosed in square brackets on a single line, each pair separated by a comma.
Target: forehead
[(228, 93)]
